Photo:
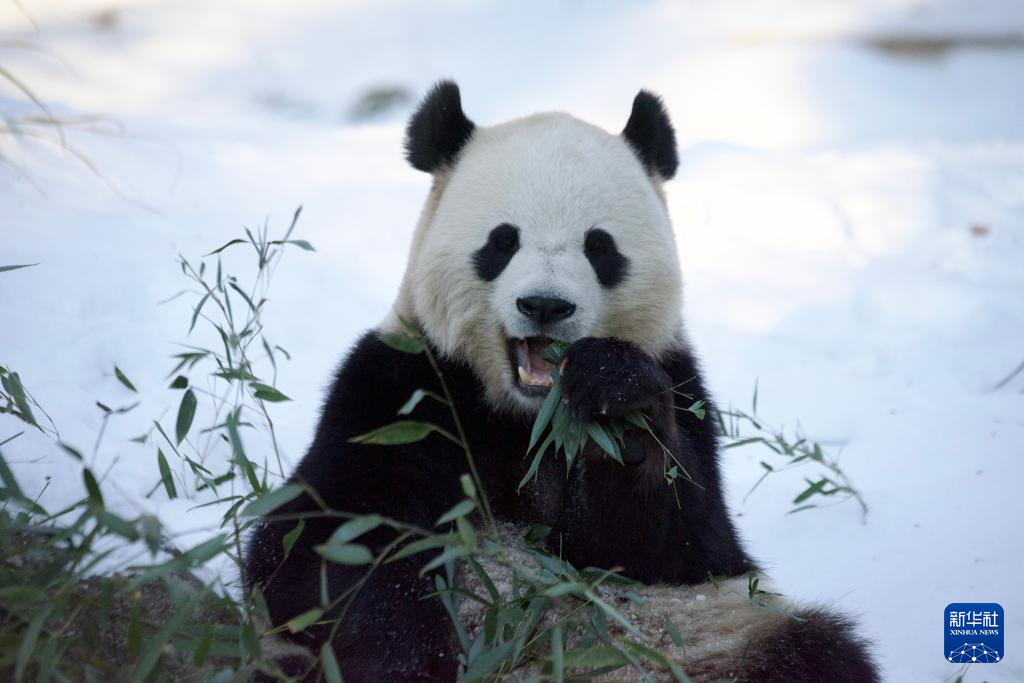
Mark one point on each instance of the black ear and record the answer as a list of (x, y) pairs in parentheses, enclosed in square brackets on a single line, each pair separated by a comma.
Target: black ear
[(649, 132), (438, 130)]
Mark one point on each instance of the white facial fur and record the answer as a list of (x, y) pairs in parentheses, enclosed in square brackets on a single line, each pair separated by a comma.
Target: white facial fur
[(553, 177)]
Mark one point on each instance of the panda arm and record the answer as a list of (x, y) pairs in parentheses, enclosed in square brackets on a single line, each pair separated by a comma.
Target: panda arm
[(629, 516), (389, 631)]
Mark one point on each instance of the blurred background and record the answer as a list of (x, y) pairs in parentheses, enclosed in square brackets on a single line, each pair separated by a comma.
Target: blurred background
[(849, 214)]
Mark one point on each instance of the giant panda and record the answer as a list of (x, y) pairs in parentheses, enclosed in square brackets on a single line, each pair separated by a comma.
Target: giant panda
[(542, 228)]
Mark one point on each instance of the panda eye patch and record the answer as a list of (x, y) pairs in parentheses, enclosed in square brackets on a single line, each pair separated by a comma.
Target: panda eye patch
[(505, 238), (609, 265), (491, 259), (598, 242)]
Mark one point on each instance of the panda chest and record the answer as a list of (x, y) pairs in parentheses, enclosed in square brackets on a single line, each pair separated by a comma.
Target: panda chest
[(504, 461), (542, 500)]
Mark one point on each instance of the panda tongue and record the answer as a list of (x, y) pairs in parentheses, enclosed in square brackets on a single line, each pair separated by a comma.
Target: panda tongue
[(534, 369)]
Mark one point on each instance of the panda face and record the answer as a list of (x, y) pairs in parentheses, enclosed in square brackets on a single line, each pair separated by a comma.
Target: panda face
[(545, 228), (546, 286), (546, 308)]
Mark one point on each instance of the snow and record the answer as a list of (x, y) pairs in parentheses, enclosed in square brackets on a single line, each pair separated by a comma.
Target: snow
[(848, 212)]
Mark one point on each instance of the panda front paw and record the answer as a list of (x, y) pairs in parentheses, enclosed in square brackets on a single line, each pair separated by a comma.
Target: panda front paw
[(605, 377)]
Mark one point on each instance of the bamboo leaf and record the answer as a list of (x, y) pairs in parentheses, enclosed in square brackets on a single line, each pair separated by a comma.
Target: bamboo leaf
[(12, 382), (815, 487), (400, 342), (557, 654), (165, 475), (409, 328), (466, 533), (612, 612), (265, 392), (124, 380), (5, 269), (186, 413), (269, 502), (329, 664), (396, 433), (301, 244), (485, 579), (13, 489), (654, 656), (353, 529), (307, 618), (196, 310), (71, 450), (460, 509), (345, 553), (28, 642), (155, 644), (535, 463), (638, 421), (456, 552), (743, 442), (486, 662), (414, 400), (203, 648), (673, 633), (601, 438), (190, 559), (92, 487), (235, 373), (288, 542), (232, 242), (468, 487), (422, 545), (547, 409), (245, 297), (118, 525)]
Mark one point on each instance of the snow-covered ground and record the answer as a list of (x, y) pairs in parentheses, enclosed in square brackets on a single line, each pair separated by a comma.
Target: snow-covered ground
[(850, 215)]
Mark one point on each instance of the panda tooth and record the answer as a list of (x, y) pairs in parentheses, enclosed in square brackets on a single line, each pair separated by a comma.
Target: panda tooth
[(529, 379)]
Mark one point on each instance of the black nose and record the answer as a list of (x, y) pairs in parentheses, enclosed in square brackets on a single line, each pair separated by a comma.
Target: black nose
[(544, 309)]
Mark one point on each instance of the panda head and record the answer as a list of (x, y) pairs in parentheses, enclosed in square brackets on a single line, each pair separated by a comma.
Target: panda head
[(538, 229)]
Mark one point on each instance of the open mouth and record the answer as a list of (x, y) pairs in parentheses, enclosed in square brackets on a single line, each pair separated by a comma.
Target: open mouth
[(532, 371)]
